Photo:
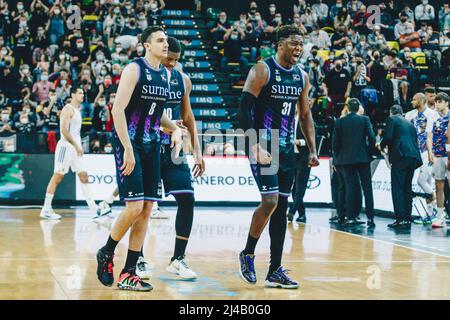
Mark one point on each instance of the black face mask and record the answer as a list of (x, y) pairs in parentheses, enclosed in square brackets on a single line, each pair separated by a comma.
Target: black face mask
[(338, 67), (249, 29), (403, 20), (314, 52), (359, 63)]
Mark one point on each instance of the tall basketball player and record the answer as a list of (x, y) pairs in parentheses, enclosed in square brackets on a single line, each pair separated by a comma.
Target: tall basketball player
[(272, 91), (423, 118), (69, 154), (177, 176), (138, 116)]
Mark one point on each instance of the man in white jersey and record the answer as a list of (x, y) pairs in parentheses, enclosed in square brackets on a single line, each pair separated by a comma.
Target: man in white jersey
[(430, 94), (69, 154), (423, 118)]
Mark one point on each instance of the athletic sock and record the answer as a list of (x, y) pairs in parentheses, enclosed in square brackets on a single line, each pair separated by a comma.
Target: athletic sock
[(132, 259), (180, 248), (110, 245), (110, 199), (440, 213), (48, 201), (277, 232), (88, 197), (251, 245)]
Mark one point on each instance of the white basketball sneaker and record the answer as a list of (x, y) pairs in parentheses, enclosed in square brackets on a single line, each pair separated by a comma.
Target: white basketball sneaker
[(180, 268), (49, 214), (157, 213), (439, 223), (105, 208), (144, 269)]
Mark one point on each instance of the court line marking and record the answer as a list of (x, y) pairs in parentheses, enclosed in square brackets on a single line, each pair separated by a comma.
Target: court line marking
[(379, 240)]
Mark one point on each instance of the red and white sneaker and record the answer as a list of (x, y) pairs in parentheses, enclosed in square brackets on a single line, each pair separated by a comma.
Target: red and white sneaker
[(128, 280), (439, 223)]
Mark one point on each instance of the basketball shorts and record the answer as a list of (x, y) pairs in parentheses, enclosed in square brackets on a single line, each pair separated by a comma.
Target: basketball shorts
[(176, 177), (275, 181), (66, 158), (144, 183), (440, 168)]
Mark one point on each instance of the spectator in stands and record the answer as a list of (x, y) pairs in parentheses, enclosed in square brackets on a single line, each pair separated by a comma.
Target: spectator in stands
[(42, 87), (353, 6), (259, 25), (251, 41), (108, 148), (233, 49), (359, 76), (142, 20), (25, 121), (410, 38), (22, 53), (101, 112), (26, 78), (39, 16), (314, 55), (243, 20), (390, 59), (6, 124), (320, 38), (96, 147), (48, 114), (349, 48), (343, 18), (55, 26), (376, 39), (400, 73), (424, 11), (78, 55), (131, 29), (308, 19), (400, 27), (392, 8), (220, 28), (320, 9), (360, 20), (63, 84), (377, 69), (444, 16), (335, 8), (339, 38), (430, 41), (4, 100), (40, 40), (386, 22), (316, 76), (154, 12), (298, 23), (300, 8), (353, 35), (409, 12), (363, 47), (337, 87), (253, 9), (270, 15)]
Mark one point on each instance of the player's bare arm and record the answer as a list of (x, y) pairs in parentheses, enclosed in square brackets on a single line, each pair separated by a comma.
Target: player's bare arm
[(256, 80), (66, 116), (128, 80), (189, 121), (307, 124), (172, 129)]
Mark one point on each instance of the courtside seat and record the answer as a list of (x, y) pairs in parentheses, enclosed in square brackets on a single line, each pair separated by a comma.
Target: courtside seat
[(419, 57)]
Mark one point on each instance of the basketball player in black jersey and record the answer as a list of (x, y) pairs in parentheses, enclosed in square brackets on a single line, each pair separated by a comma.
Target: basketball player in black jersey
[(138, 115), (273, 89)]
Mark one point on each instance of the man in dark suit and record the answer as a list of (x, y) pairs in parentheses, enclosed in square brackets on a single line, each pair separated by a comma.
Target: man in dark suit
[(401, 139), (353, 139), (301, 177)]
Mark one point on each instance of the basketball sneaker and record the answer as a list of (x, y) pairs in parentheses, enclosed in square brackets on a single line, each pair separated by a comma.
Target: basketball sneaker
[(247, 267), (105, 268), (105, 208), (279, 279), (144, 269), (180, 268), (128, 280), (49, 214), (157, 213), (439, 223)]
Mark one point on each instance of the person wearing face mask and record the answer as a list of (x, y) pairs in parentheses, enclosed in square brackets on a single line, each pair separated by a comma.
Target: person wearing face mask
[(270, 14), (424, 11), (6, 124), (108, 148), (39, 16), (116, 72), (233, 41), (377, 69), (42, 87), (78, 56), (337, 87), (56, 26), (321, 10), (220, 28), (253, 8), (410, 38), (154, 14), (376, 39), (259, 25), (360, 77), (251, 41), (339, 38), (309, 18), (142, 20), (131, 29), (400, 27), (334, 11), (353, 6), (22, 40), (343, 17), (300, 8), (101, 114)]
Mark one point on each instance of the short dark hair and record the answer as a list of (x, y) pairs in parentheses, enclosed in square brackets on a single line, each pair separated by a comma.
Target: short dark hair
[(74, 89), (286, 31), (353, 105), (146, 34), (396, 110), (430, 90), (442, 96), (174, 45)]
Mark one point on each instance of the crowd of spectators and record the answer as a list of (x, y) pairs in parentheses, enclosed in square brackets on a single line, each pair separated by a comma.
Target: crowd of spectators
[(47, 46)]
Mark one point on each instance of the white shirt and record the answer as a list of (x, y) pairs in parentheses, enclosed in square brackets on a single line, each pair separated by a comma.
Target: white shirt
[(322, 40), (428, 15), (74, 126)]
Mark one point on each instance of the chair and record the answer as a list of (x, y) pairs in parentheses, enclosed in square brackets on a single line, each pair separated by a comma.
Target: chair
[(393, 45)]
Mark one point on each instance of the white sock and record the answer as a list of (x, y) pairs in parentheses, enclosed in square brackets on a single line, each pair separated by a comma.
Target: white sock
[(440, 213), (155, 205), (88, 197), (110, 199), (48, 201)]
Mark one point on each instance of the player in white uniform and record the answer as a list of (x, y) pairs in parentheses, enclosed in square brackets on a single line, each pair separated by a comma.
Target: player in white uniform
[(69, 154), (423, 118)]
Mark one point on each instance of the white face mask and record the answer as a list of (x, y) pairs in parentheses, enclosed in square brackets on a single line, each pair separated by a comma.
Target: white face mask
[(108, 149), (4, 52), (272, 10), (5, 117), (80, 45), (44, 78), (118, 50), (103, 72), (122, 59), (424, 2), (100, 57), (349, 48), (57, 11), (20, 7), (62, 56), (140, 50), (258, 18), (63, 82), (234, 37), (154, 6), (102, 103), (26, 71)]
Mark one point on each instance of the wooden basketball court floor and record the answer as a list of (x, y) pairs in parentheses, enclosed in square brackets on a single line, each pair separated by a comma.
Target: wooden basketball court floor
[(56, 260)]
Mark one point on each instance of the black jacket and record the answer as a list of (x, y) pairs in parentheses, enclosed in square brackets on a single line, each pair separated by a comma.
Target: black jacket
[(401, 138), (353, 138)]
